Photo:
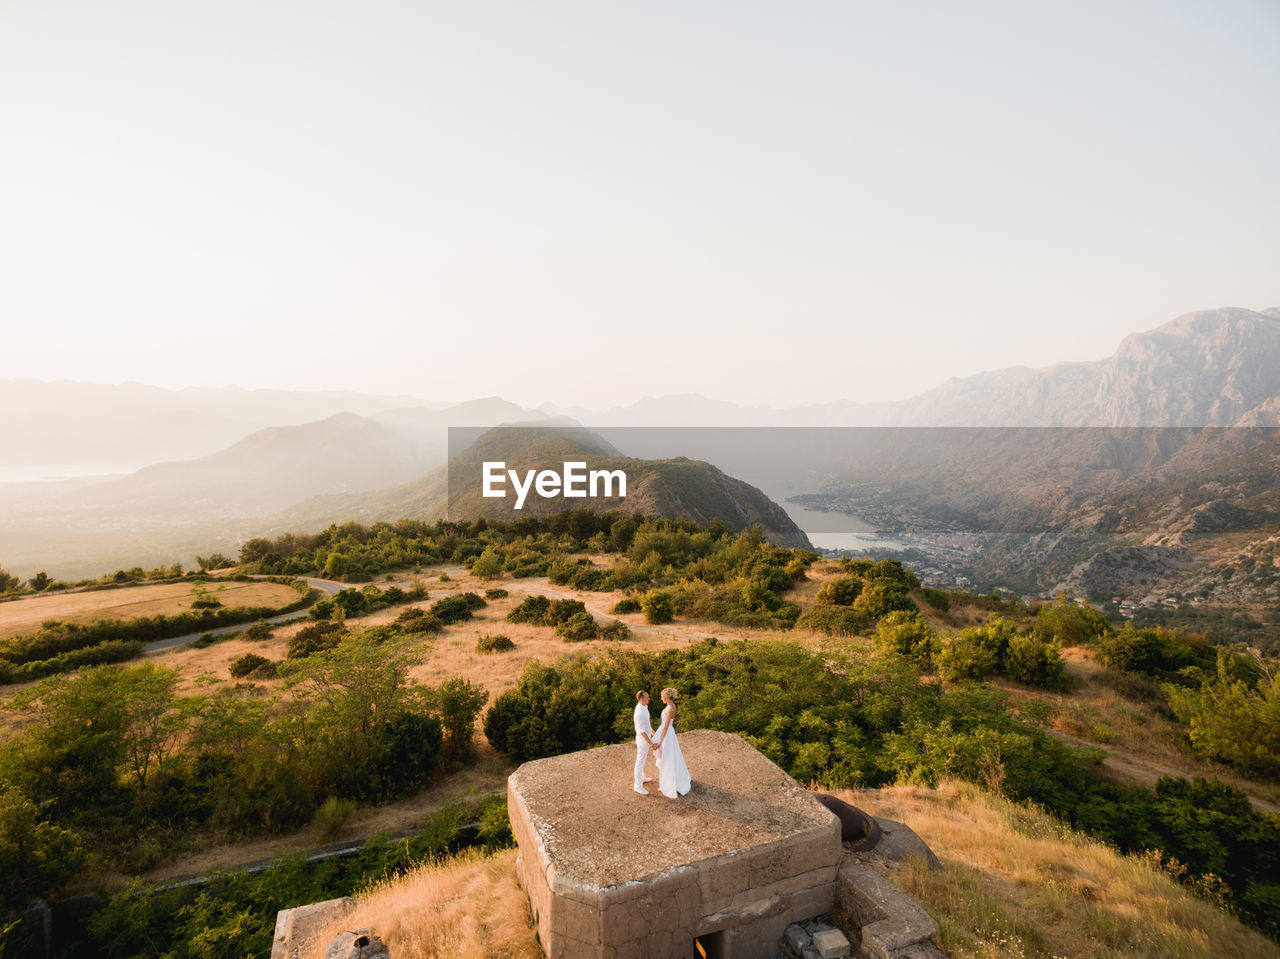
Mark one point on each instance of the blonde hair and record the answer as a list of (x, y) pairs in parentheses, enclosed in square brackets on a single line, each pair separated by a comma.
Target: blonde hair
[(670, 694)]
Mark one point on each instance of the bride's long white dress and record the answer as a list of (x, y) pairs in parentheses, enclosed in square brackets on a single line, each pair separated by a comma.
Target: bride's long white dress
[(673, 774)]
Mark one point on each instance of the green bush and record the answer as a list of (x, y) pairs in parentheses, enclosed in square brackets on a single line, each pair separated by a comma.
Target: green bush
[(841, 591), (657, 607), (880, 597), (495, 592), (248, 664), (835, 620), (261, 630), (907, 634), (627, 604), (966, 657), (494, 644), (578, 627), (939, 599), (488, 565), (451, 609), (459, 702), (1069, 624), (532, 610), (615, 629), (314, 639), (418, 622), (1032, 660), (562, 610), (333, 814)]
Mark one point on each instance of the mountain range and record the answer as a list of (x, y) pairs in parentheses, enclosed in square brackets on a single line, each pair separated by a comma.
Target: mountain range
[(228, 464)]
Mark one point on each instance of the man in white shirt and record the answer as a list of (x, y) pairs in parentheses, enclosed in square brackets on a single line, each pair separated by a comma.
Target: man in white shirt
[(644, 729)]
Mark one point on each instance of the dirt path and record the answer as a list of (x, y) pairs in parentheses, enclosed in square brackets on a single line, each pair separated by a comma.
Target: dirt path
[(1129, 768)]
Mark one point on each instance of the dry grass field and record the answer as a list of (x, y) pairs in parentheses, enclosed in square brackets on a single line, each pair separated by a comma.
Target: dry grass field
[(1017, 883), (1143, 742), (466, 907), (26, 615)]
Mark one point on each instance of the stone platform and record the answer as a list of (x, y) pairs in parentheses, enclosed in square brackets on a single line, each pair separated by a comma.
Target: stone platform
[(614, 875)]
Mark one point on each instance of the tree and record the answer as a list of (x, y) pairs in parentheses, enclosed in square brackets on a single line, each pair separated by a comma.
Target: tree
[(8, 583), (459, 702), (216, 561), (488, 565), (1068, 623), (1232, 720), (36, 857), (40, 581), (346, 695)]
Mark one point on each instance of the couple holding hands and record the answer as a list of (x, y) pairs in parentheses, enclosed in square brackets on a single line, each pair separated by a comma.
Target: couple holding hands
[(673, 774)]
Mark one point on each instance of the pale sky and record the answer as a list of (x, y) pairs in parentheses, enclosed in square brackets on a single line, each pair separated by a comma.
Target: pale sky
[(587, 203)]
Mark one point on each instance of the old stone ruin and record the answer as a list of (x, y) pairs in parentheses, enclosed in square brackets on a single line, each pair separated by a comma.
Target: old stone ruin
[(748, 865), (740, 868)]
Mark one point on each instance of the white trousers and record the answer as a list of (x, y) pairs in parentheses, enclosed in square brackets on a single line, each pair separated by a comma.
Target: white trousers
[(642, 755)]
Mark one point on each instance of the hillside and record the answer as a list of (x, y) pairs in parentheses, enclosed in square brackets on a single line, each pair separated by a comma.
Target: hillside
[(673, 489), (1014, 883)]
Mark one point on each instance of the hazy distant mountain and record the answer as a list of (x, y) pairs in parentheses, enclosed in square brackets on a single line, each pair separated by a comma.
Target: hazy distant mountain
[(674, 488), (131, 425), (1211, 368)]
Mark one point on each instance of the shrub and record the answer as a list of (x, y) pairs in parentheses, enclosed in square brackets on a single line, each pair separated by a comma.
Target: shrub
[(532, 610), (908, 635), (418, 621), (452, 609), (657, 607), (313, 639), (841, 591), (966, 657), (459, 701), (333, 814), (627, 604), (495, 592), (883, 596), (561, 610), (1036, 662), (578, 628), (488, 565), (939, 599), (835, 620), (1068, 623), (261, 630), (615, 629), (494, 644), (247, 664)]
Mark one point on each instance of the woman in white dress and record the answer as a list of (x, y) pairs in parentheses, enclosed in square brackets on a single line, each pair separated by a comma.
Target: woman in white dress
[(673, 774)]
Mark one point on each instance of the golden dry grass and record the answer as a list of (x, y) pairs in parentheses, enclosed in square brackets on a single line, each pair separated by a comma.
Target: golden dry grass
[(1144, 742), (1016, 882), (26, 615), (466, 907)]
